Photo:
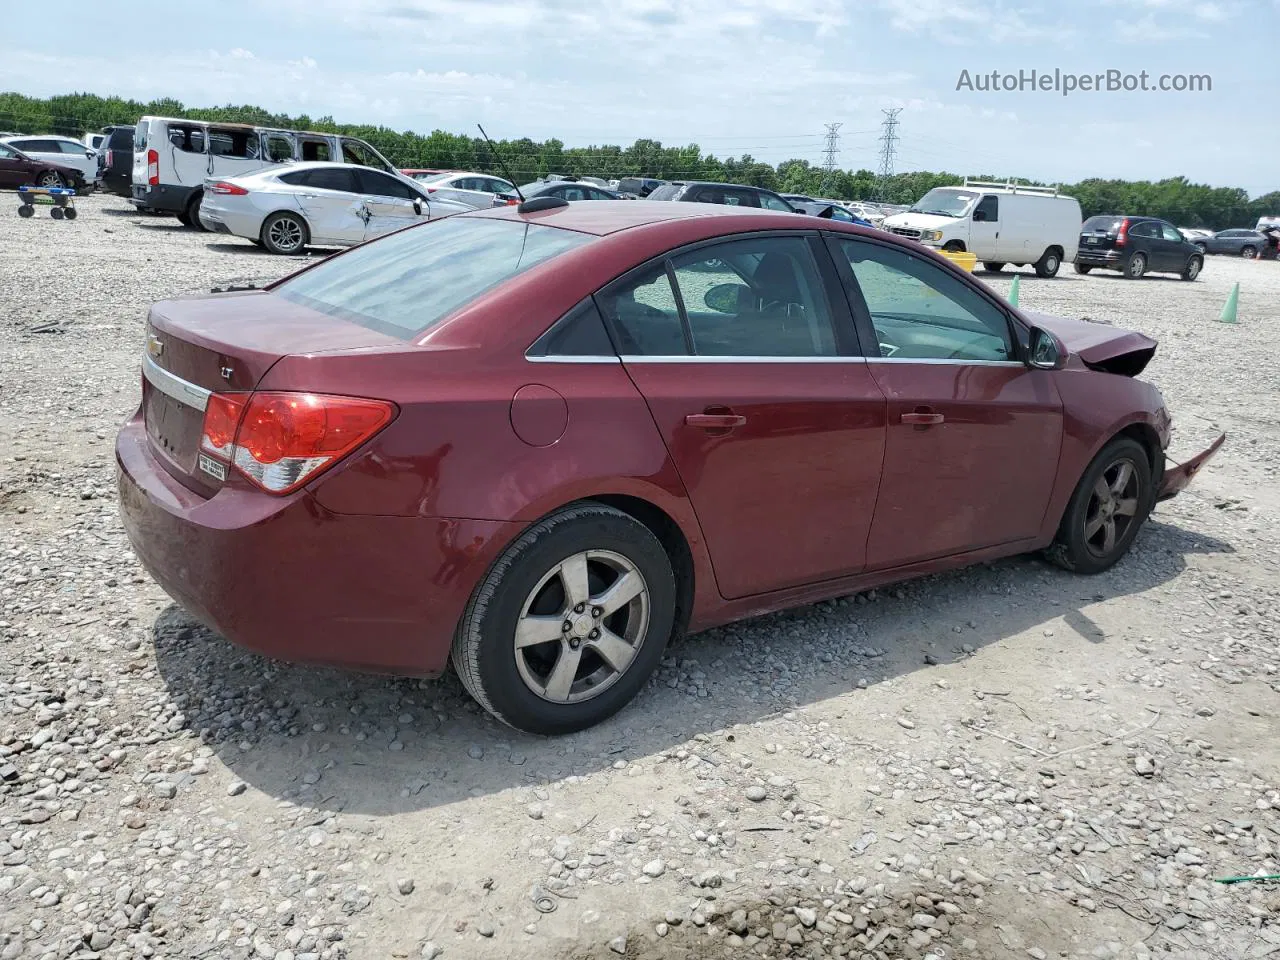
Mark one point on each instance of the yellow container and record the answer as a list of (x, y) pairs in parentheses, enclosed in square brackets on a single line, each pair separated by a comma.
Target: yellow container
[(962, 259)]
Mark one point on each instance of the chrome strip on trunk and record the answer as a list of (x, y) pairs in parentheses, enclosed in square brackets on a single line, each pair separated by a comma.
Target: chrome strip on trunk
[(174, 386)]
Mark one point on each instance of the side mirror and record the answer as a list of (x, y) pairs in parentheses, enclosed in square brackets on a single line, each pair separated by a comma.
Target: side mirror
[(1044, 351), (417, 207), (723, 297), (979, 216)]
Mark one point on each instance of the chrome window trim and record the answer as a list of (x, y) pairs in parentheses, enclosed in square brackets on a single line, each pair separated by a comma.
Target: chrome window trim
[(948, 361), (684, 358), (174, 386), (567, 358)]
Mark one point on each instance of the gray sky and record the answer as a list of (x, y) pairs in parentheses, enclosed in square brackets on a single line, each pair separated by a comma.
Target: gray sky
[(735, 76)]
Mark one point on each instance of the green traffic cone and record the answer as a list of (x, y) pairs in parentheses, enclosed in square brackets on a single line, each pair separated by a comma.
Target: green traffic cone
[(1228, 314), (1013, 291)]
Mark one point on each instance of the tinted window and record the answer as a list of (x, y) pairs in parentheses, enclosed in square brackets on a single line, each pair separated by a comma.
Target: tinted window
[(770, 202), (67, 146), (580, 333), (572, 193), (331, 178), (759, 297), (1101, 225), (1144, 229), (409, 281), (120, 137), (8, 153), (922, 312), (642, 309), (37, 146), (667, 191), (989, 207), (1171, 233), (381, 185)]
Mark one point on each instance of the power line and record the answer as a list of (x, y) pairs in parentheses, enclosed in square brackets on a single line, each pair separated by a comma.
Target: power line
[(888, 141), (829, 154)]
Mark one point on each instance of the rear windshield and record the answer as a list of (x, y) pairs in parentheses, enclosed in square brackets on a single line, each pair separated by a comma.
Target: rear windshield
[(1101, 224), (140, 135), (667, 191), (408, 282)]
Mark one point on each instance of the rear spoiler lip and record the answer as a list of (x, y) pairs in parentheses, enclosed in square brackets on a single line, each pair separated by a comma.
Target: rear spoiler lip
[(1177, 478)]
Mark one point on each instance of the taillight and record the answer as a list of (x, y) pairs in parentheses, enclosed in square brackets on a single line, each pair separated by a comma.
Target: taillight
[(282, 440), (432, 189), (1123, 233), (108, 158), (222, 186), (153, 167)]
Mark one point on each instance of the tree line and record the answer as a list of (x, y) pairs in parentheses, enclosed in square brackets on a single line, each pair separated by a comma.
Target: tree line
[(1175, 199)]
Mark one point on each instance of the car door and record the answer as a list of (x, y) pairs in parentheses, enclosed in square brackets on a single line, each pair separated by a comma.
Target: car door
[(1142, 238), (1177, 249), (751, 372), (333, 207), (83, 158), (973, 436), (14, 171), (984, 231), (389, 203)]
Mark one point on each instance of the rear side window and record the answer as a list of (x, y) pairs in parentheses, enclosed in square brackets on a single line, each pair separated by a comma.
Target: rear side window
[(409, 281), (279, 148), (330, 179), (315, 150), (1144, 229)]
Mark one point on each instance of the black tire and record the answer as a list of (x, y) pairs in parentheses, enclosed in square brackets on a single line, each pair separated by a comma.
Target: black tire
[(1136, 267), (191, 216), (56, 213), (1193, 268), (26, 211), (991, 267), (69, 213), (954, 246), (1082, 268), (1049, 263), (1080, 545), (484, 653), (51, 178), (279, 227), (184, 219), (1249, 251)]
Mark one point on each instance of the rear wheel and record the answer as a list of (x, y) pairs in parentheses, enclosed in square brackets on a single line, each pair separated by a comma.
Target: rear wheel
[(284, 233), (1136, 266), (191, 216), (569, 623), (1193, 268), (1108, 507), (51, 178), (1048, 264), (992, 267), (1082, 268), (1248, 251)]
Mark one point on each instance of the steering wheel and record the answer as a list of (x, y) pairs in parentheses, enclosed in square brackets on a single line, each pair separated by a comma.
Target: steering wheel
[(887, 345)]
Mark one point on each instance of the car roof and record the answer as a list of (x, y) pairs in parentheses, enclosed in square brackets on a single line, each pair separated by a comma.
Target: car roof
[(603, 217)]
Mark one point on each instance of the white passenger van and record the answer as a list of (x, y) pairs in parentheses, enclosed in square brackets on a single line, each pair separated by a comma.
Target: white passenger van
[(998, 223), (172, 158)]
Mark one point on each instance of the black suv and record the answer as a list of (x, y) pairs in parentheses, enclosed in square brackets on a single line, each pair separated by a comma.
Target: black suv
[(116, 161), (1136, 245), (732, 194)]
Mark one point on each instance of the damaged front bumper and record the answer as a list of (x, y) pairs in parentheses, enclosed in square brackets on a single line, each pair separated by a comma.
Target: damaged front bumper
[(1177, 478)]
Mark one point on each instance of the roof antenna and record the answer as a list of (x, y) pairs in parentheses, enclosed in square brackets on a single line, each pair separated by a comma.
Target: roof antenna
[(501, 164)]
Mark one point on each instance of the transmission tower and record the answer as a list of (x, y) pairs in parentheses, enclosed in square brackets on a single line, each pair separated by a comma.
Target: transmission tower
[(829, 155), (888, 142)]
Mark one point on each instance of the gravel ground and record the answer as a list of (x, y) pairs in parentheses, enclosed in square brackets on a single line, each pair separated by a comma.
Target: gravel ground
[(1008, 761)]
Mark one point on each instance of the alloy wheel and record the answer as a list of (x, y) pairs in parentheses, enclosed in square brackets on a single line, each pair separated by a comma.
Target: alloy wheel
[(50, 179), (286, 234), (1113, 508), (581, 626)]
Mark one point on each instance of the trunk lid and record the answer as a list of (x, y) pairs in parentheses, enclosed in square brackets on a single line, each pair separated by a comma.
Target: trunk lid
[(224, 343), (1099, 345)]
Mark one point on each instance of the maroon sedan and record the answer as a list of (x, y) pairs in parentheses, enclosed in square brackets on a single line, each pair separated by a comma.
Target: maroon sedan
[(543, 441)]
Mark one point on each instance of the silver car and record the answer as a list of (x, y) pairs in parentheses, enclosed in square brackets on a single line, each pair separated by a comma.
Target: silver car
[(288, 208), (479, 190)]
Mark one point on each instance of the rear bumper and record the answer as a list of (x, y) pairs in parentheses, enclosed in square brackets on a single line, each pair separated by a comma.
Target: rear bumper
[(1177, 478), (221, 220), (165, 199), (291, 580), (1101, 258)]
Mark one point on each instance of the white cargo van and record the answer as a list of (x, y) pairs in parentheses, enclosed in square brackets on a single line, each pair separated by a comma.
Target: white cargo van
[(172, 158), (998, 223)]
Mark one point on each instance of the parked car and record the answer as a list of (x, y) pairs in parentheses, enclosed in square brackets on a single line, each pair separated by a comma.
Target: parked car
[(998, 223), (729, 194), (63, 151), (478, 190), (638, 186), (19, 170), (117, 156), (172, 158), (797, 198), (286, 209), (538, 445), (1240, 243), (829, 211), (1195, 233), (1136, 246), (596, 182), (565, 188)]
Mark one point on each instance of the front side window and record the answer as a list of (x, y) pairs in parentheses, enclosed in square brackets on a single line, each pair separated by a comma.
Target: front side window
[(757, 297), (359, 153), (407, 282), (1170, 233), (988, 209), (8, 153), (922, 312), (380, 185)]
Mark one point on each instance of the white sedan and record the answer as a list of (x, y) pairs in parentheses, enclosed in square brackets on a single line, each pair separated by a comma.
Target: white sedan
[(63, 150), (478, 190), (288, 208)]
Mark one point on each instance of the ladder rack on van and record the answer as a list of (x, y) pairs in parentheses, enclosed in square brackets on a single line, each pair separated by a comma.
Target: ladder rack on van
[(1011, 187)]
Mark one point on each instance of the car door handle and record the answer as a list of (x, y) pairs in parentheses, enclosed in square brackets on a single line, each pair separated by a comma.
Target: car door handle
[(715, 421), (922, 419)]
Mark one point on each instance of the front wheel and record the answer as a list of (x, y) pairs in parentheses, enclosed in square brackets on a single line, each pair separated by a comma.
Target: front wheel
[(569, 623), (51, 178), (1108, 507), (1136, 267), (1193, 268), (1082, 268), (1048, 264), (284, 233), (1248, 252), (992, 267)]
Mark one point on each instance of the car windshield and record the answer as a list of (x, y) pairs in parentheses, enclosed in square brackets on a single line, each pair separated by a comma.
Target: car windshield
[(1102, 224), (944, 202), (409, 281)]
